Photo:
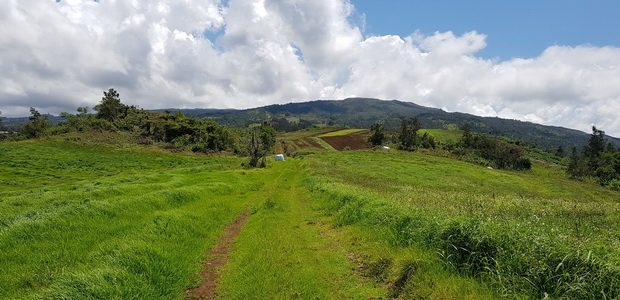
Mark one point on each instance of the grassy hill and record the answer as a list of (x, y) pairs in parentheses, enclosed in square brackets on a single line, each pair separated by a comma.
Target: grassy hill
[(83, 218), (362, 112)]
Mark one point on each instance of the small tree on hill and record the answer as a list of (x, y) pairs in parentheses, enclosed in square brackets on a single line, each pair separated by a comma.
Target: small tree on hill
[(377, 136), (110, 108), (595, 147), (36, 125), (408, 137), (262, 140), (467, 137)]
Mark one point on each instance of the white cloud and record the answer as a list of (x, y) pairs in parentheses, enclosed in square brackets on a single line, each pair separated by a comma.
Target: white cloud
[(181, 53)]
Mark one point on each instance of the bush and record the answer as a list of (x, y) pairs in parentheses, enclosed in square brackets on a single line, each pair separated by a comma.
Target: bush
[(503, 155)]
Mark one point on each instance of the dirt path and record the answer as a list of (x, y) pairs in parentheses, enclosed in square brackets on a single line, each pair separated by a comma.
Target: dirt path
[(217, 258)]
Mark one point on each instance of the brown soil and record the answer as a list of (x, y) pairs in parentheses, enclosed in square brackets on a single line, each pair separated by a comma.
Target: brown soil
[(313, 144), (348, 142), (217, 258)]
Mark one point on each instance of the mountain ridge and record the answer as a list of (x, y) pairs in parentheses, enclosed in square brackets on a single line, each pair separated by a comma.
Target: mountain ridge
[(362, 112)]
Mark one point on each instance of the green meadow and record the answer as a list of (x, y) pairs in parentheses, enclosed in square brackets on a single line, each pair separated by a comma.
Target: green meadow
[(98, 220), (342, 132), (443, 135)]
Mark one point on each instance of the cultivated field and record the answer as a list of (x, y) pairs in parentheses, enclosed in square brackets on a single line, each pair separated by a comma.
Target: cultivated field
[(97, 220)]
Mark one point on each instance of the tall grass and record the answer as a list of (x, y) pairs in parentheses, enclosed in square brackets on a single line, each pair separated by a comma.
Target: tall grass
[(103, 222), (512, 250)]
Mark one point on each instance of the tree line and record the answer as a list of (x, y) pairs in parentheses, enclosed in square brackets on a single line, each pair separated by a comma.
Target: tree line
[(479, 148), (599, 159)]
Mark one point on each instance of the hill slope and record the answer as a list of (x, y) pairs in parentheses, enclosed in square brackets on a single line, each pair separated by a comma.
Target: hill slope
[(362, 112)]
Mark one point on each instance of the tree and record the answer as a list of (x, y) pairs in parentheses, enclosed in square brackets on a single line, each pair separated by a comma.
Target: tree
[(36, 125), (466, 139), (111, 108), (408, 134), (262, 140), (595, 147), (577, 167), (377, 136)]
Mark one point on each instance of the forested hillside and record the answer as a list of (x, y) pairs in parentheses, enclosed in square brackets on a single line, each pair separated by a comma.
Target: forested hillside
[(363, 112)]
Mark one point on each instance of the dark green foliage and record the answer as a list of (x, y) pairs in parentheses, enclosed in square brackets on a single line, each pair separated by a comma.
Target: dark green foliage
[(283, 124), (363, 112), (110, 108), (577, 167), (559, 151), (198, 135), (173, 130), (36, 125), (408, 138), (599, 159), (377, 136), (595, 147), (609, 167), (502, 154), (261, 142), (83, 122)]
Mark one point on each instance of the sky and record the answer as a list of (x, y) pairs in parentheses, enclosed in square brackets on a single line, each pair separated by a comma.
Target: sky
[(550, 62), (514, 28)]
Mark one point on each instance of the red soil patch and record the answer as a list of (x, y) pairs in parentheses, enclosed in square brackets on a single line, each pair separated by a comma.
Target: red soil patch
[(348, 142), (217, 258)]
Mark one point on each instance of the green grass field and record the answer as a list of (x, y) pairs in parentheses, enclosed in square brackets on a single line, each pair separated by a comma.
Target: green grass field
[(101, 221), (342, 132), (443, 135), (487, 224)]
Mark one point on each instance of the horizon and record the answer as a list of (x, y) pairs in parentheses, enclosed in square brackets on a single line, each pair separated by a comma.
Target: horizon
[(350, 98), (554, 63)]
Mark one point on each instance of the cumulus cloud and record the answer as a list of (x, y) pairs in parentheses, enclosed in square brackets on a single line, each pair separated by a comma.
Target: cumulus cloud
[(57, 55)]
